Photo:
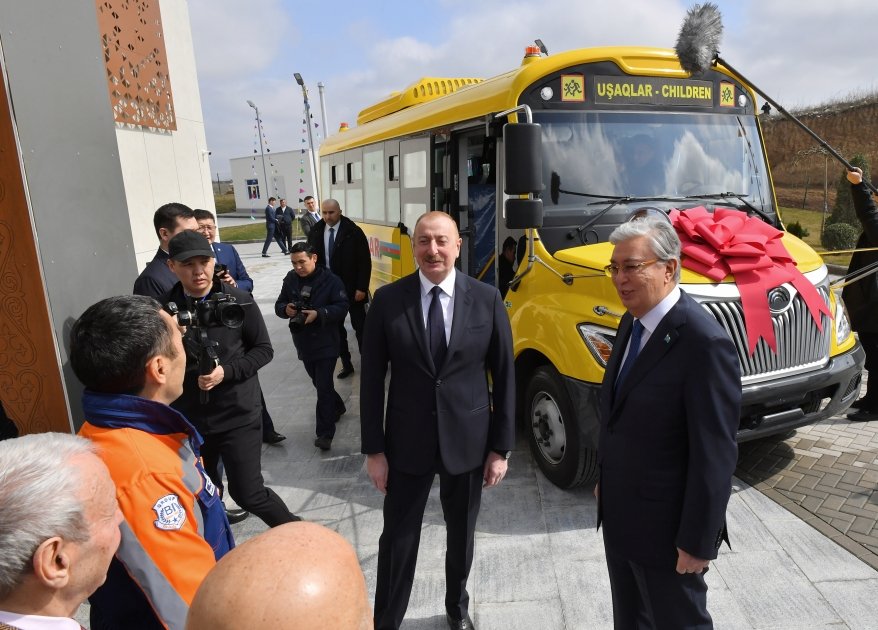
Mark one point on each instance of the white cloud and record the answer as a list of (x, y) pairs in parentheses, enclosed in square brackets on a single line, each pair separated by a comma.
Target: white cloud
[(800, 53), (233, 38)]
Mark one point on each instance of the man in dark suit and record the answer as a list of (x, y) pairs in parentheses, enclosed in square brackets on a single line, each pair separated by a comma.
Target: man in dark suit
[(670, 406), (272, 230), (348, 258), (285, 216), (311, 216), (442, 332), (169, 220)]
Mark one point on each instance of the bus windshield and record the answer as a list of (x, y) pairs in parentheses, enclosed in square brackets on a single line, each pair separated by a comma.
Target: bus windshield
[(667, 160)]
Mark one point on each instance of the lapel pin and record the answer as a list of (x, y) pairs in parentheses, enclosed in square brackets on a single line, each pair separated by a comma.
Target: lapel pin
[(668, 338)]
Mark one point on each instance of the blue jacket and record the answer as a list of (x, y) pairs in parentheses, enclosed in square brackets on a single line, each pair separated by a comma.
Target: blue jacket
[(270, 216), (175, 528), (319, 339), (228, 256)]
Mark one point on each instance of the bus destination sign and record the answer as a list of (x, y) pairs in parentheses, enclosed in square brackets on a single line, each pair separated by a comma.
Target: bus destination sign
[(652, 91)]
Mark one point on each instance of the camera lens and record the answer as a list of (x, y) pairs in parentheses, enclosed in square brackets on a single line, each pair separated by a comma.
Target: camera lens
[(230, 315)]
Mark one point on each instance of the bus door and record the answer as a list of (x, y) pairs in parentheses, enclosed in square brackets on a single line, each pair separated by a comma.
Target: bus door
[(414, 180), (477, 202)]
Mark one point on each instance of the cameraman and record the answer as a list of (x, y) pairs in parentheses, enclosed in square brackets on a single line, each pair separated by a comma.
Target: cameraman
[(230, 419), (314, 300)]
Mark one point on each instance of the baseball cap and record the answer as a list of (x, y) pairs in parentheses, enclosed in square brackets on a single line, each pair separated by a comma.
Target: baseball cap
[(188, 244)]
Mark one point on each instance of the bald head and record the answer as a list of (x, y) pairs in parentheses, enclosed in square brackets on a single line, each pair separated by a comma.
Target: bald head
[(298, 575)]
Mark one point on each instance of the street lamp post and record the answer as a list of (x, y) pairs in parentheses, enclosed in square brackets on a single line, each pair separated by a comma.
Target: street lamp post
[(261, 150), (301, 83), (323, 109)]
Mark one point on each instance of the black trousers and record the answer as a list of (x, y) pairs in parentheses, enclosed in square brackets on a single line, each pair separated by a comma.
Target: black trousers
[(241, 452), (869, 342), (329, 403), (267, 422), (404, 505), (271, 234), (286, 232), (645, 598), (357, 313)]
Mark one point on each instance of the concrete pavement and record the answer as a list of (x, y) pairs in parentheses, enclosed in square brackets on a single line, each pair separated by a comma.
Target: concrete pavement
[(539, 562)]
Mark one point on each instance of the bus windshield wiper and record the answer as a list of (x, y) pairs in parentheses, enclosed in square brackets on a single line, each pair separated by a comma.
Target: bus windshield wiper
[(740, 197), (615, 202)]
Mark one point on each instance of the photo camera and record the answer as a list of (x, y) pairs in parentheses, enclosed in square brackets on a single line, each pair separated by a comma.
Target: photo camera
[(297, 321), (219, 309)]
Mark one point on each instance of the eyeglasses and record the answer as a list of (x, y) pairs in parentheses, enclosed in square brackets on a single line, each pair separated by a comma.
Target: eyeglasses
[(612, 270)]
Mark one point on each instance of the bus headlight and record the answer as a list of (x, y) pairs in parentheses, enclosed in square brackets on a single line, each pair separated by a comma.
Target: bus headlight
[(842, 323), (599, 341)]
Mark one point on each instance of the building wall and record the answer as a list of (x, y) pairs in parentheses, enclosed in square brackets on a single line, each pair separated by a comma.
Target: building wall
[(283, 169), (89, 185), (163, 166), (74, 193)]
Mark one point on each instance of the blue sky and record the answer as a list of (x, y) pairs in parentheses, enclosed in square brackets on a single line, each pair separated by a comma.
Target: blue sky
[(801, 52)]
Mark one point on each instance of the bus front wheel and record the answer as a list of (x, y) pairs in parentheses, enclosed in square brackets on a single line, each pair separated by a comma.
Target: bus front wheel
[(553, 432)]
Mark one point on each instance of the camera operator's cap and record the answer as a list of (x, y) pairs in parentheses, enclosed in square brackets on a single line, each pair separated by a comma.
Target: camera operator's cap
[(188, 244)]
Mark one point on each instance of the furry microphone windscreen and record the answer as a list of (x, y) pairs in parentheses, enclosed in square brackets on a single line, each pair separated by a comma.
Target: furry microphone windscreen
[(699, 38)]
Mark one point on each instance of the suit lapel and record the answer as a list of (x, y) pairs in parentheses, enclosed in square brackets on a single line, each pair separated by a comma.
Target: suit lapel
[(660, 342), (415, 316), (462, 304)]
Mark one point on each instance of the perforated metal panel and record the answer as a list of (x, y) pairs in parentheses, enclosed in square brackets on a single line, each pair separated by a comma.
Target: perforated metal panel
[(137, 65)]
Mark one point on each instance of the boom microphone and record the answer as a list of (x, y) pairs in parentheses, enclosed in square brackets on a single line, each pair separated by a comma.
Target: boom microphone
[(698, 42), (698, 49)]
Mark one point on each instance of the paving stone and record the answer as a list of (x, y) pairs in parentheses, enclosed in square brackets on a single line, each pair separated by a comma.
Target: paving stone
[(584, 590), (821, 560), (854, 602), (525, 615), (747, 532), (782, 597)]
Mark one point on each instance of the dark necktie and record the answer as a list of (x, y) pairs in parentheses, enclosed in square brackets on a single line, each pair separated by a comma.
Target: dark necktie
[(331, 245), (633, 351), (436, 329)]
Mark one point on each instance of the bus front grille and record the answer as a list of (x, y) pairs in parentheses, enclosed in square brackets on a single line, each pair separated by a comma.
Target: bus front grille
[(801, 346)]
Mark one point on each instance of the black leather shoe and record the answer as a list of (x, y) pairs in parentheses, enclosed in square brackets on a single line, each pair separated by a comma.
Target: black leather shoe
[(862, 415), (340, 412), (459, 624), (266, 255), (236, 516), (346, 371), (323, 443), (273, 438)]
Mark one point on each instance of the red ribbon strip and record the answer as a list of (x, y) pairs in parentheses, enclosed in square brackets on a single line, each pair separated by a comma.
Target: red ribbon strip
[(728, 241)]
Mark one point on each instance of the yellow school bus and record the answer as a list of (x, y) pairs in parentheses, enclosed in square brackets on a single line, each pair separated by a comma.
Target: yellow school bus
[(555, 154)]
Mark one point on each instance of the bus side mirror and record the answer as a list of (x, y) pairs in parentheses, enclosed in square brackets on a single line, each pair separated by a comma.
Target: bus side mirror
[(523, 151), (523, 158), (522, 214)]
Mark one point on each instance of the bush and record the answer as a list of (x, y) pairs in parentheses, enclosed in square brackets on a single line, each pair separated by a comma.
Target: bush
[(795, 228), (840, 236)]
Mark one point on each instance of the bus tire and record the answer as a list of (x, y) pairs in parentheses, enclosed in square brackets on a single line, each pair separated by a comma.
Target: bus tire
[(553, 431)]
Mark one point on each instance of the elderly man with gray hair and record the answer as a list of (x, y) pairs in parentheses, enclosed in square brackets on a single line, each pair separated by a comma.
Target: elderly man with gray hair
[(59, 529)]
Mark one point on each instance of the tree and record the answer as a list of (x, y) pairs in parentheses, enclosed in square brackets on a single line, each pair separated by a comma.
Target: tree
[(843, 210)]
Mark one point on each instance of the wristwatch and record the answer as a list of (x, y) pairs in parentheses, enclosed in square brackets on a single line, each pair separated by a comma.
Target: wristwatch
[(503, 454)]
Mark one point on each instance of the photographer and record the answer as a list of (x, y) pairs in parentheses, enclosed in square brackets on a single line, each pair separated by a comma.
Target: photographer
[(224, 320), (314, 300)]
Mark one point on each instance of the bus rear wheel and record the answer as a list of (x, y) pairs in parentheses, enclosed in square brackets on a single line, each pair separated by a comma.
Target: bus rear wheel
[(553, 431)]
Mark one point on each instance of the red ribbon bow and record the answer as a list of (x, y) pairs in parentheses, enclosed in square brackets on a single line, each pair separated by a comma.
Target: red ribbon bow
[(730, 242)]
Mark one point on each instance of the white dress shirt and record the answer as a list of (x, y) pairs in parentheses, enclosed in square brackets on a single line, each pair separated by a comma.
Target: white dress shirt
[(38, 622), (446, 300)]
